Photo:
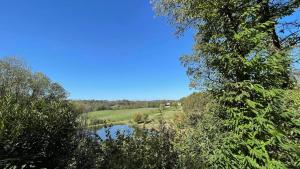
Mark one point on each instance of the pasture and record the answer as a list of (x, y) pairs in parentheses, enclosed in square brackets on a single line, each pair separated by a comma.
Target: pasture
[(125, 116)]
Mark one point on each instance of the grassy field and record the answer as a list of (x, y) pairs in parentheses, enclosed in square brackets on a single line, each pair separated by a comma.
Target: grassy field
[(126, 116)]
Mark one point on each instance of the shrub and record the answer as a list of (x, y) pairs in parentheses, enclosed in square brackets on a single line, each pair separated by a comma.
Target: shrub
[(140, 117), (195, 105), (196, 102), (37, 125), (97, 121), (137, 117), (150, 149)]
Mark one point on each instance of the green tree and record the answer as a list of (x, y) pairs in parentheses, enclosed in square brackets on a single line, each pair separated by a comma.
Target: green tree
[(195, 105), (38, 126), (243, 52)]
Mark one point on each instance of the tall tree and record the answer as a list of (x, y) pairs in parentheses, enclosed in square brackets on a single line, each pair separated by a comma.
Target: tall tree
[(244, 50)]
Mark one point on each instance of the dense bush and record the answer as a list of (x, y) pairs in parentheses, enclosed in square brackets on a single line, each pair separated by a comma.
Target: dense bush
[(97, 122), (200, 145), (195, 105), (37, 125), (140, 117), (87, 153), (145, 150), (196, 102)]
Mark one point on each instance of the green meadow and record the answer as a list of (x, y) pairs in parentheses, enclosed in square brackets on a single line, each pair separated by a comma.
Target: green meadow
[(125, 116)]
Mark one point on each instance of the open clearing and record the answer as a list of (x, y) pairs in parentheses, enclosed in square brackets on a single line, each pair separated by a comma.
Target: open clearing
[(125, 116)]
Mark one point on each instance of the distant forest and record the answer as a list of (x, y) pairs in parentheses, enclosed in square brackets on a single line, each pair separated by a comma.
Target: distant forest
[(98, 105)]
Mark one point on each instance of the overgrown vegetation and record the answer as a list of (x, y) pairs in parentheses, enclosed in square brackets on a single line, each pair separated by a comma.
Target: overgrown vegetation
[(244, 56), (146, 149), (246, 115), (195, 105), (140, 118), (37, 125)]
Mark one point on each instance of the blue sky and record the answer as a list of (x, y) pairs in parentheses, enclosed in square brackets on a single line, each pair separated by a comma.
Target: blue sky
[(97, 49)]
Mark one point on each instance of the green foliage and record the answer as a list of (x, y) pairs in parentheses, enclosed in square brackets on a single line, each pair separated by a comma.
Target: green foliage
[(87, 153), (145, 150), (137, 117), (17, 80), (195, 105), (235, 40), (198, 144), (246, 61), (97, 121), (38, 126), (140, 117), (294, 96), (196, 102), (261, 129)]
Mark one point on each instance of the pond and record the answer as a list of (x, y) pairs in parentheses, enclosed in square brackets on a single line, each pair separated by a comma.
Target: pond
[(124, 129)]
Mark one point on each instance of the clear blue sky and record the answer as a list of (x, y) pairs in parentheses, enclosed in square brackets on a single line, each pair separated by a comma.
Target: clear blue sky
[(97, 49)]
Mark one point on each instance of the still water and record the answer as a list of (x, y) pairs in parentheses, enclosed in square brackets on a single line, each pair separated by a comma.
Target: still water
[(124, 129)]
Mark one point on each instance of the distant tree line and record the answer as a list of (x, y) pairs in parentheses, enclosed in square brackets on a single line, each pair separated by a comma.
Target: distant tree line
[(98, 105)]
